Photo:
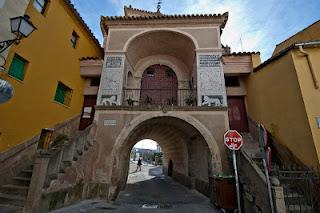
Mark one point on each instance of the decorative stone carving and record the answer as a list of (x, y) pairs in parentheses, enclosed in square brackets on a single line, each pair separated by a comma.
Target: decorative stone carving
[(210, 77), (109, 100), (212, 100), (110, 90)]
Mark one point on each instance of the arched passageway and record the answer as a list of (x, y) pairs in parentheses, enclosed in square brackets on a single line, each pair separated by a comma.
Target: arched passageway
[(187, 155)]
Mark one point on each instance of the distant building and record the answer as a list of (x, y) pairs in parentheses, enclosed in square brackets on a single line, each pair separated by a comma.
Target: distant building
[(158, 148)]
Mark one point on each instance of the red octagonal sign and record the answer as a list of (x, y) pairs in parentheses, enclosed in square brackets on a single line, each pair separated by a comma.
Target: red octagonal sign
[(233, 140)]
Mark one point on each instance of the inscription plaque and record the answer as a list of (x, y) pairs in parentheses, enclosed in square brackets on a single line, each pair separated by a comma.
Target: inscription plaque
[(113, 62), (209, 60)]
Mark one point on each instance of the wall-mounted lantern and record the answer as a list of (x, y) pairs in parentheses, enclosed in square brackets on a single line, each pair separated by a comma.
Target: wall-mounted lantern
[(21, 27)]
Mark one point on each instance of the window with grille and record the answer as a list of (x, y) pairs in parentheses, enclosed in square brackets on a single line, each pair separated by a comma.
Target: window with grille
[(40, 5), (74, 39), (95, 82), (232, 81), (63, 94), (17, 67)]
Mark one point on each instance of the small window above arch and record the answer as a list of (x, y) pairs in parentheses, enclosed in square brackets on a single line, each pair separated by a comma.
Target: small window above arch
[(150, 72)]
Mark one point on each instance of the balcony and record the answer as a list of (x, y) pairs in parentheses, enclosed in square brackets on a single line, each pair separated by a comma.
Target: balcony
[(160, 97)]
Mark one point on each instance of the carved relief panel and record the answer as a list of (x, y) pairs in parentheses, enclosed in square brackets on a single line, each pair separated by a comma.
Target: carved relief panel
[(110, 90), (210, 76)]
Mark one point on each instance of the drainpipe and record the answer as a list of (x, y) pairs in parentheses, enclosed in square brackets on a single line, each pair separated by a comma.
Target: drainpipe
[(306, 54)]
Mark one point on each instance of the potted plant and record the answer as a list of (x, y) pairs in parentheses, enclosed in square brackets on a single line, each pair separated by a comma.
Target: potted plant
[(190, 101), (148, 101), (172, 101), (130, 101)]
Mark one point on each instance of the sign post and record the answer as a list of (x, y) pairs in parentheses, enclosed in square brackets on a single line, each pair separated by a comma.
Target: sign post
[(266, 159), (233, 140)]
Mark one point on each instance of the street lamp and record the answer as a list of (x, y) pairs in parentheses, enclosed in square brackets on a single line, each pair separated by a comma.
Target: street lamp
[(22, 27)]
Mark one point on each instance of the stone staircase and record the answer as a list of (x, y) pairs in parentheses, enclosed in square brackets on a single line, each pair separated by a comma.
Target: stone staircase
[(295, 202), (14, 194)]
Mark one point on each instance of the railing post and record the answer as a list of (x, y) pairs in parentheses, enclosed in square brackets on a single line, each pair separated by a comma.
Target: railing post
[(38, 179), (278, 195)]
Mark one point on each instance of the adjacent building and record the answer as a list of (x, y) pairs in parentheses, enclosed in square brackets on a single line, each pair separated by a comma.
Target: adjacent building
[(44, 70), (283, 94)]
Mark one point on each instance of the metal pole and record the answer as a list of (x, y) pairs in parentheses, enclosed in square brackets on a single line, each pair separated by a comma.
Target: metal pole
[(265, 165), (234, 157)]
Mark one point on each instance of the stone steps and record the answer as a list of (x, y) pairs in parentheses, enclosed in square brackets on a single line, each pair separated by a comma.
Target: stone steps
[(294, 201), (15, 200), (6, 208), (25, 181), (14, 189), (14, 194), (299, 208)]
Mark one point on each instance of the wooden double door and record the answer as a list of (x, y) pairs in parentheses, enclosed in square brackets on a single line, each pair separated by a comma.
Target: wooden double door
[(237, 114)]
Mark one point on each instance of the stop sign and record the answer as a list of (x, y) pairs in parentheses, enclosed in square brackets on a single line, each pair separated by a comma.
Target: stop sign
[(233, 140)]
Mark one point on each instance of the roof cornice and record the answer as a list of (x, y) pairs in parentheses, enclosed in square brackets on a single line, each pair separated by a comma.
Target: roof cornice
[(85, 26), (220, 19)]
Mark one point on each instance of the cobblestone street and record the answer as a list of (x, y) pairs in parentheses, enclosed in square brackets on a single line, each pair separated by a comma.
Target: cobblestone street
[(148, 191)]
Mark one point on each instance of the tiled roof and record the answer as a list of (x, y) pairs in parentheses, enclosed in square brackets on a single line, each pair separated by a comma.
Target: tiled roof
[(142, 11), (240, 53), (312, 43), (90, 58), (78, 16), (167, 17)]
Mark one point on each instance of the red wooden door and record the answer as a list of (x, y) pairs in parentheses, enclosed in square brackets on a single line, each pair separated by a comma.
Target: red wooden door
[(237, 114), (159, 84), (87, 115)]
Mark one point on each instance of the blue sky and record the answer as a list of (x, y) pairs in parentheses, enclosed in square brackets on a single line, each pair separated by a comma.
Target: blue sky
[(259, 24)]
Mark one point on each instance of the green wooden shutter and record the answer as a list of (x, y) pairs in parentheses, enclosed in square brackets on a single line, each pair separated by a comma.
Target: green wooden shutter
[(17, 68), (60, 94)]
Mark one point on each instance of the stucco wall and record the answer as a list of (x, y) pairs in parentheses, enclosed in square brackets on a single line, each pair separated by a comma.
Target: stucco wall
[(310, 94), (274, 99), (206, 37), (51, 59)]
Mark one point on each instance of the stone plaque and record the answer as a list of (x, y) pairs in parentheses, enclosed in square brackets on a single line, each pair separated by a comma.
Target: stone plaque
[(211, 88), (209, 60), (113, 62), (110, 90), (109, 122)]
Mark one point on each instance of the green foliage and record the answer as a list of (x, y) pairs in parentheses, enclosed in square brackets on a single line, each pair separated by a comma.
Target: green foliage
[(191, 101), (59, 140)]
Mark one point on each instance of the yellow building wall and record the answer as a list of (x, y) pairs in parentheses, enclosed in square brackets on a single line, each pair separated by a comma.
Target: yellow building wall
[(274, 99), (310, 33), (51, 59), (311, 95)]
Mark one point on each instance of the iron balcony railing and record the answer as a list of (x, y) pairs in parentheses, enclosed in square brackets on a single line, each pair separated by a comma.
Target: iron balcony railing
[(160, 97)]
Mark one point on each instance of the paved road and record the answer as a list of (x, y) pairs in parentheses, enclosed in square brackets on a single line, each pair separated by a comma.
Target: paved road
[(149, 191)]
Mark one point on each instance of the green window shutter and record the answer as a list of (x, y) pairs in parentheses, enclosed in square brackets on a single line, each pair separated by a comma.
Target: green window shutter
[(17, 68), (60, 94)]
